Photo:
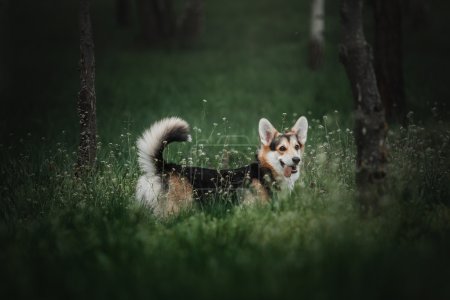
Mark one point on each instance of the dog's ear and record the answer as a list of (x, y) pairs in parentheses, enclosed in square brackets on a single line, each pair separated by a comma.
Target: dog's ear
[(266, 131), (301, 129)]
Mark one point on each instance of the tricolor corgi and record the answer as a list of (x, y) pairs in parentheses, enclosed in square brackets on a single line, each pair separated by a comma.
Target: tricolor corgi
[(167, 187)]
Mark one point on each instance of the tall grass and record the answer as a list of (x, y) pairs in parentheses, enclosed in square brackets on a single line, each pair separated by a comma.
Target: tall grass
[(65, 236)]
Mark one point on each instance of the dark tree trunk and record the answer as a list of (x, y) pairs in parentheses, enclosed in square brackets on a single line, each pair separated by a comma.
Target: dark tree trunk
[(388, 57), (191, 21), (417, 13), (86, 96), (123, 13), (370, 125), (156, 20), (167, 18), (148, 20)]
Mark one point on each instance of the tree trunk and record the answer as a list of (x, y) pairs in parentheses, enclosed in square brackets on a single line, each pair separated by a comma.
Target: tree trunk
[(86, 96), (388, 57), (156, 20), (191, 21), (370, 125), (316, 39), (148, 20), (123, 13), (167, 18), (418, 13)]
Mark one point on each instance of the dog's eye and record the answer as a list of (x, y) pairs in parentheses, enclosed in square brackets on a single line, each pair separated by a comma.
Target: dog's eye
[(282, 148), (297, 147)]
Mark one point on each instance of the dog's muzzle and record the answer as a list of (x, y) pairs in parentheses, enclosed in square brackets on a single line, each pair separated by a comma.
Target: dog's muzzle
[(289, 170)]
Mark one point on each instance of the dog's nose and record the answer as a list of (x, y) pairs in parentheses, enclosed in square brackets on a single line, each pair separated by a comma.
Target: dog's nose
[(296, 160)]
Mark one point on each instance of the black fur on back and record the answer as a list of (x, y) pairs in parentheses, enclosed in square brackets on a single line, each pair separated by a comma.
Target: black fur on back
[(211, 182)]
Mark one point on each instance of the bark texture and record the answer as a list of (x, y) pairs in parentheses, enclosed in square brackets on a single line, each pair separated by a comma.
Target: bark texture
[(316, 39), (86, 97), (388, 57), (370, 125)]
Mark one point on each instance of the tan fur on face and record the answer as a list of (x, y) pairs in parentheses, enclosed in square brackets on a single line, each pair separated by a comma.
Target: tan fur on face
[(262, 157), (289, 143)]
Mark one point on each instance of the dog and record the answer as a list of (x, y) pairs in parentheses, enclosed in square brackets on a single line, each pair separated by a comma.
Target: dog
[(167, 188)]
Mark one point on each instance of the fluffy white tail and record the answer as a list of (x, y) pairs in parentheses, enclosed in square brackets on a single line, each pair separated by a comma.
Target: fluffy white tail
[(153, 141)]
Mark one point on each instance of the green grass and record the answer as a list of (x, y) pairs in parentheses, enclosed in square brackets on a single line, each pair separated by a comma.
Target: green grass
[(62, 236), (89, 238)]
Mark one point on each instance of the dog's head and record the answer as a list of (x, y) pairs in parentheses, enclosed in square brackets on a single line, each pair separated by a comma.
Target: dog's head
[(282, 152)]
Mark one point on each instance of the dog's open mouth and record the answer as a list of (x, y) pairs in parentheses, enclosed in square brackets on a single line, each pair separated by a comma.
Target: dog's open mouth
[(288, 170)]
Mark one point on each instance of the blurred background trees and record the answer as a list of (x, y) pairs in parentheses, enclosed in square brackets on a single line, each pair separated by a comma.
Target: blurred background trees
[(169, 21), (123, 13), (191, 21), (156, 20), (388, 54), (316, 34)]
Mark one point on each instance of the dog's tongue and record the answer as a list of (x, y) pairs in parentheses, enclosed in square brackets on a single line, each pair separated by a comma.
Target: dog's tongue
[(287, 171)]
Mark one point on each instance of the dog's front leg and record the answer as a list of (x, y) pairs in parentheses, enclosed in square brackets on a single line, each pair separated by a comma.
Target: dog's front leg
[(257, 194)]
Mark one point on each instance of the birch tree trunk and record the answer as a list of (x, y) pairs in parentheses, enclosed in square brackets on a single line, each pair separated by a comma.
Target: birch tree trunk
[(86, 97), (388, 57), (316, 39), (370, 125)]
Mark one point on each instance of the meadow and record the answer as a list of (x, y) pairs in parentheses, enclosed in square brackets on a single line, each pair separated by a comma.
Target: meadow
[(63, 236)]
